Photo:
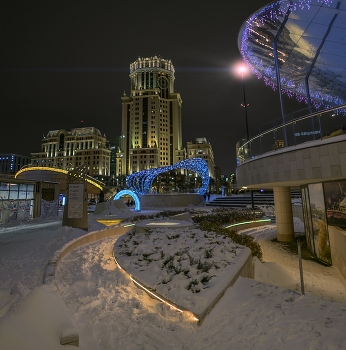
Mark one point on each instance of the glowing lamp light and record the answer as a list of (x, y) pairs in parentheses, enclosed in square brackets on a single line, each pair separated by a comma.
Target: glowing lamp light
[(162, 223), (108, 222), (242, 70), (248, 222), (129, 225)]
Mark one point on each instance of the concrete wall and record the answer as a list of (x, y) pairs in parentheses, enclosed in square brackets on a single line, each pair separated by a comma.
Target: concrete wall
[(314, 161), (245, 269), (337, 238), (170, 200)]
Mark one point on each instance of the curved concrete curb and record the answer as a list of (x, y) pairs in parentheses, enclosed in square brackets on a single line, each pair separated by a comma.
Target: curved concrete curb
[(94, 236), (245, 270)]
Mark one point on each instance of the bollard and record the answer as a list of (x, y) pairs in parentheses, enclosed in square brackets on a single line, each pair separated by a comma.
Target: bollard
[(300, 268)]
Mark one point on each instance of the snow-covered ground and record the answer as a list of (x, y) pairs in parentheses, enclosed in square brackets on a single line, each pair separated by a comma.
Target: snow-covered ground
[(109, 312)]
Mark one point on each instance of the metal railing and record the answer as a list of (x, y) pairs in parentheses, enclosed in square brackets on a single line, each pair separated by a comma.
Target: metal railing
[(300, 127)]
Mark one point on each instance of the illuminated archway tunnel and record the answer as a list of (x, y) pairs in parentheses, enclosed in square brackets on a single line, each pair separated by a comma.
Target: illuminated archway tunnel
[(142, 181), (132, 194)]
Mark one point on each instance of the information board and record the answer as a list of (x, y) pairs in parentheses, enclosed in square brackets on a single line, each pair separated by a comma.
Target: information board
[(75, 200)]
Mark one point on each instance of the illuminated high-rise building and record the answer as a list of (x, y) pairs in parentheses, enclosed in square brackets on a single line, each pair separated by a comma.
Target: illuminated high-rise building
[(151, 117)]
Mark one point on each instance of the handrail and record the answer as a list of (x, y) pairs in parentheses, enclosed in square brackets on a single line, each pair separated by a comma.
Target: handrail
[(246, 150), (293, 122)]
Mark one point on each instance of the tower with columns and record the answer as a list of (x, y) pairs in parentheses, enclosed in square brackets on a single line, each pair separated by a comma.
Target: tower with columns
[(151, 117)]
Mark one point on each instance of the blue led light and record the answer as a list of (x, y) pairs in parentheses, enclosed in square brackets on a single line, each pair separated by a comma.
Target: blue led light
[(142, 181), (133, 195)]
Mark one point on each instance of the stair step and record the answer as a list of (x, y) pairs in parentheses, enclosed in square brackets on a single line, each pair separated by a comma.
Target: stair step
[(242, 201)]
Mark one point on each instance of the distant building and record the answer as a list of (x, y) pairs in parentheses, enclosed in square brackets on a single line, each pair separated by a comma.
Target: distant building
[(23, 200), (114, 146), (218, 180), (11, 163), (66, 149), (151, 118), (201, 148)]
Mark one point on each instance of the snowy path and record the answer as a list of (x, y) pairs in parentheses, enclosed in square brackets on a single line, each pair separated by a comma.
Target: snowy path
[(25, 252), (319, 280), (109, 307), (26, 249), (252, 315), (281, 267)]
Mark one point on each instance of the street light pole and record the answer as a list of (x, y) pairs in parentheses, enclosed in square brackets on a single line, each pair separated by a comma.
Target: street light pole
[(244, 104), (242, 69)]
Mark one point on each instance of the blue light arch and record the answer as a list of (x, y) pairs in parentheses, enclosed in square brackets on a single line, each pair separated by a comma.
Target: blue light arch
[(141, 182), (133, 195)]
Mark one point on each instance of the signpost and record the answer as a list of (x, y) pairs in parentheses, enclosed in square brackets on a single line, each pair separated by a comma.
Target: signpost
[(76, 213), (75, 201)]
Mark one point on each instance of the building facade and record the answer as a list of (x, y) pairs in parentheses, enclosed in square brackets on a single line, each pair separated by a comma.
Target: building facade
[(66, 149), (11, 163), (23, 200), (201, 148), (151, 118), (114, 146)]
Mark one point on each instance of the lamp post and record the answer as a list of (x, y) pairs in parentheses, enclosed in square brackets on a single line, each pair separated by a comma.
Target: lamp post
[(243, 70), (232, 183)]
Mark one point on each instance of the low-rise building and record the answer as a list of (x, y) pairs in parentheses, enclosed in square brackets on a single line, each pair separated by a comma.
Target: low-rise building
[(67, 149), (201, 148)]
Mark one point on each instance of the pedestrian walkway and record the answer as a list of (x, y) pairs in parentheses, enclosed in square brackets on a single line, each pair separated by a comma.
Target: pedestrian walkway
[(322, 281)]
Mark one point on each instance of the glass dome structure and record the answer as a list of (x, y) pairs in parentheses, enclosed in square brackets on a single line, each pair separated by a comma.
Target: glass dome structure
[(300, 47)]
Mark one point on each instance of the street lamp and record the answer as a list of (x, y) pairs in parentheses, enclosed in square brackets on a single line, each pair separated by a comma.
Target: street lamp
[(242, 70)]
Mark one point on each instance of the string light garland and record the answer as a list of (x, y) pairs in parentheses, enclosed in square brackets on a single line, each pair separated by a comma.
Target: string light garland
[(133, 195), (90, 180), (141, 182), (255, 44)]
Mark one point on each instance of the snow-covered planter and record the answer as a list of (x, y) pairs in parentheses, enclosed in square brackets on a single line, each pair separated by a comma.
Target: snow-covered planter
[(189, 267)]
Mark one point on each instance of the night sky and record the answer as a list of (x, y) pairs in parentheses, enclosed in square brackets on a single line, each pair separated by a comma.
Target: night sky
[(66, 61)]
